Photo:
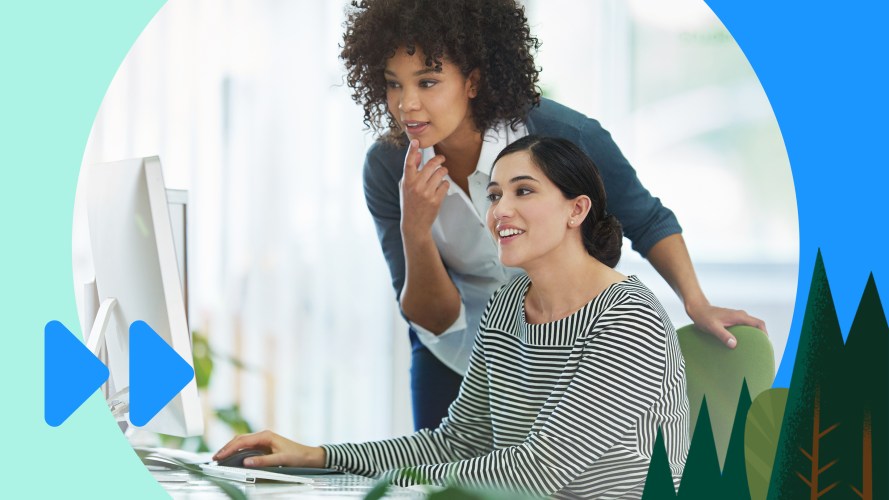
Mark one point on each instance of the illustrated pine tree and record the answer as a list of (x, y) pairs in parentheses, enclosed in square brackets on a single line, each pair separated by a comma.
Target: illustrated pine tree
[(701, 478), (734, 473), (866, 375), (659, 481), (809, 462)]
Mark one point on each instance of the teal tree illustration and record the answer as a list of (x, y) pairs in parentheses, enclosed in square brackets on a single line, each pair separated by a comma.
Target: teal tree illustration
[(659, 482), (734, 473), (807, 462), (701, 477)]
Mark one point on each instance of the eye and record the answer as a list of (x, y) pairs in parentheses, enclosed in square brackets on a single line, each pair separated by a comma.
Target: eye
[(523, 191), (392, 84), (494, 197), (427, 83)]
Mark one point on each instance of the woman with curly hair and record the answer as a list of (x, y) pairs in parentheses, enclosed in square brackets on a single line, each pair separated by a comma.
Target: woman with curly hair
[(458, 78), (576, 369)]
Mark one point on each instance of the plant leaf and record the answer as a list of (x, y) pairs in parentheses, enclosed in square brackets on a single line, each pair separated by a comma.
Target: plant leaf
[(761, 439)]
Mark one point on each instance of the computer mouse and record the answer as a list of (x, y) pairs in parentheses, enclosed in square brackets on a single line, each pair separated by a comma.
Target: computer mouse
[(236, 459)]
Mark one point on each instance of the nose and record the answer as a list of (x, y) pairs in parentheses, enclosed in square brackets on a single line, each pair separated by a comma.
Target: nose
[(410, 100), (502, 210)]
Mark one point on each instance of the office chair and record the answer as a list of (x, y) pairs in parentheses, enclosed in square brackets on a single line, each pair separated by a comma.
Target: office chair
[(715, 371)]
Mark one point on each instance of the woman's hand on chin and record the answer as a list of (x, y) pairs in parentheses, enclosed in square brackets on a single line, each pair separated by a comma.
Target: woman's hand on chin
[(282, 451)]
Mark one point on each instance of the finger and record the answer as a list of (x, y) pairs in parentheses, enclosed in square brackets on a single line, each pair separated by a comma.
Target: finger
[(437, 178), (432, 167), (256, 440), (271, 460), (755, 323), (742, 318), (724, 336), (442, 191), (412, 159)]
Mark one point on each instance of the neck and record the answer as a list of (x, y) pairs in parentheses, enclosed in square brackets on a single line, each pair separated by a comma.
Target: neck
[(461, 151), (563, 284)]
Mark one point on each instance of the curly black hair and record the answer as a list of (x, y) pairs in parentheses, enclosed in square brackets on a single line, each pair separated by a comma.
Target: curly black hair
[(491, 35)]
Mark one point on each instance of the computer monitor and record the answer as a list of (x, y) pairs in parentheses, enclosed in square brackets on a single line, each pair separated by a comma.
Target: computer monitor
[(137, 279)]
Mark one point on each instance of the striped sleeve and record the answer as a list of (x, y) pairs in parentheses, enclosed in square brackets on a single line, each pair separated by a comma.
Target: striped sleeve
[(466, 432), (619, 375)]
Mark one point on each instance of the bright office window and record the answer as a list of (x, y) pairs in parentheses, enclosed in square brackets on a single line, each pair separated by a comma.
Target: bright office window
[(245, 104)]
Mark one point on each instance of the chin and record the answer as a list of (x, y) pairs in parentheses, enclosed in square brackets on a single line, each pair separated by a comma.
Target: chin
[(511, 260)]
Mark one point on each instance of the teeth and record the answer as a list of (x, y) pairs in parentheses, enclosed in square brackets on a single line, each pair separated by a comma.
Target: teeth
[(509, 232)]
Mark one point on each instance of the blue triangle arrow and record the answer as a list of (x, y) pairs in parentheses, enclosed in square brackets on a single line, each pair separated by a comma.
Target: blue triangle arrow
[(157, 373), (71, 373)]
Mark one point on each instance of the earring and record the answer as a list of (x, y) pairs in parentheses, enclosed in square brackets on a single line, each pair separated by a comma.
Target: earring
[(571, 222)]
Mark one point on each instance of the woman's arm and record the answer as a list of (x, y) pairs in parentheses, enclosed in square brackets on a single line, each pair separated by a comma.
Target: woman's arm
[(466, 432), (656, 234), (403, 212), (670, 257), (620, 375)]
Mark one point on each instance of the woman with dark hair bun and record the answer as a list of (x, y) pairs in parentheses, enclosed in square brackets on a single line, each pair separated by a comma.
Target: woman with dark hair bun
[(575, 370), (447, 85), (575, 174)]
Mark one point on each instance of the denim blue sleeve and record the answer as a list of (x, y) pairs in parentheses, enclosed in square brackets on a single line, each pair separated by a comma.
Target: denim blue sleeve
[(644, 218), (383, 168)]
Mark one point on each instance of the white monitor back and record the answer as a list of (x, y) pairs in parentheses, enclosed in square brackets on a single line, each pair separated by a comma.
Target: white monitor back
[(135, 262)]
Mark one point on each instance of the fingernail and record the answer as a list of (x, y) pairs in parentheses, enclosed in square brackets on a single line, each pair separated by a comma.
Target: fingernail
[(731, 342), (248, 461)]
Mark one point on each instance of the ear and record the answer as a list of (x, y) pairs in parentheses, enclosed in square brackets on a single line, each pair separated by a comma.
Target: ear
[(472, 82), (580, 209)]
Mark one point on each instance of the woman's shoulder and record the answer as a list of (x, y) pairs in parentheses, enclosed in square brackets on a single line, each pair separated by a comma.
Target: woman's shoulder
[(630, 301), (512, 293), (499, 313), (384, 162), (551, 118)]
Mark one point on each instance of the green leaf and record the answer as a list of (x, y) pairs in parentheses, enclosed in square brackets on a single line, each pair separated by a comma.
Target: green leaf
[(203, 359), (232, 417), (761, 439), (378, 491)]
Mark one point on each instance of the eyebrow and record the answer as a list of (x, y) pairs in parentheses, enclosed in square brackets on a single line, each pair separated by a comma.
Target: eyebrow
[(425, 71), (515, 179)]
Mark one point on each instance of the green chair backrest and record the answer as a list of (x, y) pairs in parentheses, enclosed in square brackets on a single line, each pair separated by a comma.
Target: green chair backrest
[(717, 372)]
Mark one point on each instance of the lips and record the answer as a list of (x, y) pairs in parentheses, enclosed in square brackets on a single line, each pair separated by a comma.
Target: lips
[(415, 127), (507, 234)]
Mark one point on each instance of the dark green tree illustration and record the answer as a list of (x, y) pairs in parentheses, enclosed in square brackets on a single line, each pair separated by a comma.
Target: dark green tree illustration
[(659, 481), (734, 473), (866, 383), (701, 478), (809, 449)]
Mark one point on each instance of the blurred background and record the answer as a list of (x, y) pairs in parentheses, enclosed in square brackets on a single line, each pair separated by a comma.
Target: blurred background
[(244, 102)]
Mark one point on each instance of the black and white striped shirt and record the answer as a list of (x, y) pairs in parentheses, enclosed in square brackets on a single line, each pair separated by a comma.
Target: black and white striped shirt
[(569, 408)]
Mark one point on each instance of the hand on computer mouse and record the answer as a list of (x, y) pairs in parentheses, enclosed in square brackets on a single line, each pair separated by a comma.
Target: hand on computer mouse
[(237, 458), (280, 451)]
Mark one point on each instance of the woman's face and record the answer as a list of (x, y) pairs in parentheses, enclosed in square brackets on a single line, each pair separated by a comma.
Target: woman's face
[(529, 215), (430, 106)]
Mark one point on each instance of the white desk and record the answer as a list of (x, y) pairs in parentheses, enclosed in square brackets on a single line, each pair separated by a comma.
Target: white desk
[(187, 486)]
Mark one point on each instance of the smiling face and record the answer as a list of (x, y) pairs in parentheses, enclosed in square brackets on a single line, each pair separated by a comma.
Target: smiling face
[(430, 106), (529, 217)]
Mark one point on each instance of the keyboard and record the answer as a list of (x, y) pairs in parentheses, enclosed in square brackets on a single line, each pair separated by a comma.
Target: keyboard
[(359, 486)]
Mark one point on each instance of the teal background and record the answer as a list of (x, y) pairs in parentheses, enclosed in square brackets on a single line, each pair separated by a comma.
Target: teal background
[(58, 58), (823, 66)]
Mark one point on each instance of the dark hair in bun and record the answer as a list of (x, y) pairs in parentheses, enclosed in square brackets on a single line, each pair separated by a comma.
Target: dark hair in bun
[(575, 174)]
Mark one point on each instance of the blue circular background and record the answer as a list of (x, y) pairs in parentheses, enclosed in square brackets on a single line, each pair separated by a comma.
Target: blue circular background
[(823, 67)]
